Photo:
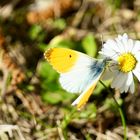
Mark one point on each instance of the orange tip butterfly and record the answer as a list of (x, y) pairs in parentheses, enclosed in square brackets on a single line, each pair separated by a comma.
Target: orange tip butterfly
[(79, 73)]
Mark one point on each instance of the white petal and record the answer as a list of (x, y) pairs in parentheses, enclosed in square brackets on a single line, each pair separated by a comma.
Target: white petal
[(126, 84), (137, 74), (123, 80), (107, 75), (137, 68), (108, 52), (136, 47), (126, 88), (137, 55), (123, 88), (112, 44), (111, 47), (119, 80), (129, 79), (125, 35), (123, 42), (120, 45), (120, 37), (132, 87), (130, 45)]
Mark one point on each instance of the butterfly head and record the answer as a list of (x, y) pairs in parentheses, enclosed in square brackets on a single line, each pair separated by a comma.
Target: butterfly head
[(107, 61)]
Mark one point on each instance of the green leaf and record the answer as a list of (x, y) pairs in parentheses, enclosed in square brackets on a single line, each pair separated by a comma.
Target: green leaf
[(48, 77), (67, 96), (89, 112), (46, 71), (30, 87), (42, 46), (57, 96), (89, 45), (59, 41), (110, 103), (99, 88), (49, 86), (34, 31), (52, 98), (60, 23), (37, 33)]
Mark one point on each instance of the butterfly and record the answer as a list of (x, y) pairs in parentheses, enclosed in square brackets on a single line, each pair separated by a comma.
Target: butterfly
[(79, 73)]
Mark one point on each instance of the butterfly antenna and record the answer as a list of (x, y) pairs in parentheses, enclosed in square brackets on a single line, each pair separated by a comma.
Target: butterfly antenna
[(102, 39)]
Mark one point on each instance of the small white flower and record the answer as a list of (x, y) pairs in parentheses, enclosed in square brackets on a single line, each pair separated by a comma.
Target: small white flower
[(125, 55)]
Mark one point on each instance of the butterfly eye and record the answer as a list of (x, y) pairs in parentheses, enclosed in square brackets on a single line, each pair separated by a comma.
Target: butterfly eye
[(70, 56)]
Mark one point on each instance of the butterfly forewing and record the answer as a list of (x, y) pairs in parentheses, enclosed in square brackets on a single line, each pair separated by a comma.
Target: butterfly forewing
[(61, 59)]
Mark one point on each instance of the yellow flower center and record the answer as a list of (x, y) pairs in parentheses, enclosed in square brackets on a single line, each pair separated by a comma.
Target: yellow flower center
[(127, 62)]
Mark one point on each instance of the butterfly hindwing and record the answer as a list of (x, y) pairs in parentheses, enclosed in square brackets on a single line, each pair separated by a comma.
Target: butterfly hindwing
[(83, 98)]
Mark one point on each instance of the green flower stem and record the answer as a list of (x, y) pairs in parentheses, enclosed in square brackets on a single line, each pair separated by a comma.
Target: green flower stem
[(119, 109)]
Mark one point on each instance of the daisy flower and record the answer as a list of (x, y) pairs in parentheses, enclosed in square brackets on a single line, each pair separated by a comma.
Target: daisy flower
[(125, 56)]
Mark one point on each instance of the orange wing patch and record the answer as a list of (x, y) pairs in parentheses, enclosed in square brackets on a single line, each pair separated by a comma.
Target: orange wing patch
[(62, 59)]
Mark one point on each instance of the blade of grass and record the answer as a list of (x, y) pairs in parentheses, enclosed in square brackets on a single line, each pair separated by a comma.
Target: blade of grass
[(119, 109)]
